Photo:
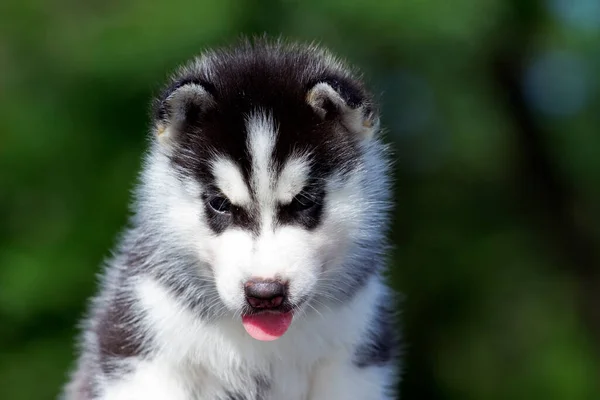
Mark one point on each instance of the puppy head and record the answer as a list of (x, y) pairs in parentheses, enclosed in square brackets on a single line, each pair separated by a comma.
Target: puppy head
[(266, 166)]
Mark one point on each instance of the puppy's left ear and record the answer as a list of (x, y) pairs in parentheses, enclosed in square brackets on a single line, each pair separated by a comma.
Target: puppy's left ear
[(334, 100)]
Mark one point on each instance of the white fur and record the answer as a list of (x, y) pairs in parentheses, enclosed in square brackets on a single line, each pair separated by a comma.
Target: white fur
[(151, 381), (313, 360), (261, 141), (292, 179), (175, 204), (230, 181)]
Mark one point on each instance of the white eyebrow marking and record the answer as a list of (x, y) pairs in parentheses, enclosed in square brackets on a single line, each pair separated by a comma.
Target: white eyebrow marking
[(292, 179), (230, 181)]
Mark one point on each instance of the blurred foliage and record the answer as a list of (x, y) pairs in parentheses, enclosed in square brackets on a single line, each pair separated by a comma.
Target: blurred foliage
[(491, 107)]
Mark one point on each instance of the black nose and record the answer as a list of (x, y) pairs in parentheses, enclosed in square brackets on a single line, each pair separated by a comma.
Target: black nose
[(264, 293)]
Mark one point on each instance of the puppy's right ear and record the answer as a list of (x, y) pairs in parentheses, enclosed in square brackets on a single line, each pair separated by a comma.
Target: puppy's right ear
[(179, 107)]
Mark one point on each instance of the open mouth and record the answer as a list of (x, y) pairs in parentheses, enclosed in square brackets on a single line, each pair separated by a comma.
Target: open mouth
[(267, 325)]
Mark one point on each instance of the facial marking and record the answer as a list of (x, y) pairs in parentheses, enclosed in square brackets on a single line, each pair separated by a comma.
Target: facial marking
[(292, 179), (229, 179), (261, 142)]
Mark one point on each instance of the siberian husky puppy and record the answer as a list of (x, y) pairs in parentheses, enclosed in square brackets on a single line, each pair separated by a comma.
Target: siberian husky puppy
[(252, 266)]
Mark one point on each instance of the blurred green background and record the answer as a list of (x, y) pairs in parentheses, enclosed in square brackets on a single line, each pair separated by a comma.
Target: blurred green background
[(493, 110)]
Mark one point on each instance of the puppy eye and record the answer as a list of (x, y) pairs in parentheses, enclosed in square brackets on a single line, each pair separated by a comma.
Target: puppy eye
[(220, 205), (303, 202)]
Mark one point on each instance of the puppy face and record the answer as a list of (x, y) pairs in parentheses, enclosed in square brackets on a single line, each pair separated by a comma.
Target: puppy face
[(269, 153)]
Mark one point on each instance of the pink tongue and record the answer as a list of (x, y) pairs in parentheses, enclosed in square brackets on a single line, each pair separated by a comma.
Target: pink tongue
[(267, 326)]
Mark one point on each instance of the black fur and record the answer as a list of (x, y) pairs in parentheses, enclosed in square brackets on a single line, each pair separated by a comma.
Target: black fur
[(117, 336), (381, 345), (306, 208), (261, 388)]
